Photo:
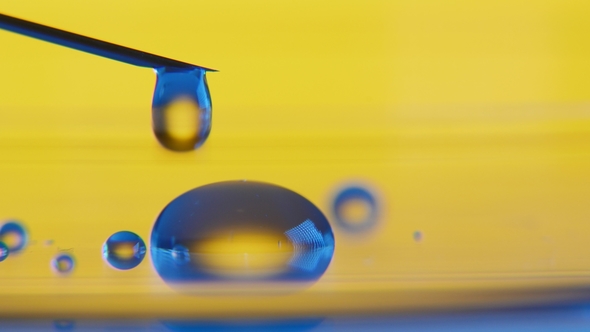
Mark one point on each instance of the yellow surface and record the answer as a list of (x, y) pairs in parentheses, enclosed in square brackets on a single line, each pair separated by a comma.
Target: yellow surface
[(469, 119)]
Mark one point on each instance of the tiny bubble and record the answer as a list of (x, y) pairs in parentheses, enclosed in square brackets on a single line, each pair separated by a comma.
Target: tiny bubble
[(417, 236)]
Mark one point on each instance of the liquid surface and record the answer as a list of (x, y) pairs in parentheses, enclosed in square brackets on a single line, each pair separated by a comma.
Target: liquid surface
[(124, 250), (181, 109), (241, 231)]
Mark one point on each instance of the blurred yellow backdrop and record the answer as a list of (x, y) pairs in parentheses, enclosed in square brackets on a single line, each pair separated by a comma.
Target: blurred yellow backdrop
[(469, 119)]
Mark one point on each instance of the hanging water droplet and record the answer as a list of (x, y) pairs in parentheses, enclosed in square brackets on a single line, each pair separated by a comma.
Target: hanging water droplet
[(3, 251), (14, 235), (124, 250), (239, 231), (181, 108), (63, 263)]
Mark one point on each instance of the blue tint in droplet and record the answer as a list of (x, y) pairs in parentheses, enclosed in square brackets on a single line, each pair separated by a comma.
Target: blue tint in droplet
[(4, 251), (181, 108), (241, 231), (14, 235), (124, 250), (245, 325), (63, 263), (64, 324), (181, 254), (350, 198)]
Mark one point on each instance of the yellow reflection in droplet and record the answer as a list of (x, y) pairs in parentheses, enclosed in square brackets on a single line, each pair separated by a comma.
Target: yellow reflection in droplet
[(182, 117), (63, 265), (124, 250), (244, 254), (11, 239), (355, 211)]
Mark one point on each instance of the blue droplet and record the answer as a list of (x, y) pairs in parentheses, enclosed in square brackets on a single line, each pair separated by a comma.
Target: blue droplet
[(241, 231), (14, 235), (63, 263), (124, 250), (181, 108), (4, 251), (355, 209)]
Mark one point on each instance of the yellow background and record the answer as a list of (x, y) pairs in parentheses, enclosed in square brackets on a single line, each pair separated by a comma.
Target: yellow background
[(469, 119)]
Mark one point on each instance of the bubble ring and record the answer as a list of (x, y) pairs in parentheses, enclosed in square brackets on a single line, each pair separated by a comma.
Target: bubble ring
[(349, 194), (15, 227)]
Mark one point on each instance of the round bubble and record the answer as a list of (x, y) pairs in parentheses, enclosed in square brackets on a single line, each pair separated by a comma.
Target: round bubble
[(241, 231), (3, 251), (124, 250), (355, 209), (417, 236), (63, 263), (14, 235)]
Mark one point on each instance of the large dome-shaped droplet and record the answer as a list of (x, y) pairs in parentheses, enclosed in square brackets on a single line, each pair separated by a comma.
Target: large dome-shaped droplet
[(181, 108), (241, 232)]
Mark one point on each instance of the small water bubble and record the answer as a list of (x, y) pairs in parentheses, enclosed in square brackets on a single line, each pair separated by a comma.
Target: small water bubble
[(417, 236), (181, 108), (242, 231), (355, 209), (63, 263), (14, 235), (124, 250), (4, 251)]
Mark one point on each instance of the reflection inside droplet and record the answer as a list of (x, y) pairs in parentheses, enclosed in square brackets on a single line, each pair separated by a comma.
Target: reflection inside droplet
[(241, 231), (124, 250), (181, 108)]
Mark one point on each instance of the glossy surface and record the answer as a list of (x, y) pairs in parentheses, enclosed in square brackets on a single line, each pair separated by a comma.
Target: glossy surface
[(87, 44), (241, 231)]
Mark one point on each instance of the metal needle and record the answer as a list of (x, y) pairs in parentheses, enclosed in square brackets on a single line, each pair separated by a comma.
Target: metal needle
[(90, 45)]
